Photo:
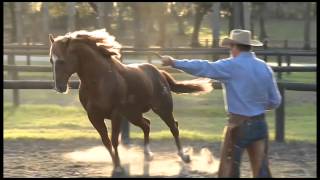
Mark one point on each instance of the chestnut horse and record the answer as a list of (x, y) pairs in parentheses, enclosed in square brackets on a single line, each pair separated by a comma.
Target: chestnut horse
[(112, 90)]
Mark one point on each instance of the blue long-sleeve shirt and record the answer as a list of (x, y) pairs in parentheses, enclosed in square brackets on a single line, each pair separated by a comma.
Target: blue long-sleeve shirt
[(249, 86)]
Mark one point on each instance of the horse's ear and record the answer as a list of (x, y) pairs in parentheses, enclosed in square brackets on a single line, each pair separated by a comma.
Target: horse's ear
[(51, 38)]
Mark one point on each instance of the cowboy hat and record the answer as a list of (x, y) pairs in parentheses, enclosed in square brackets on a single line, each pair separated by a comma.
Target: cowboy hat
[(240, 36)]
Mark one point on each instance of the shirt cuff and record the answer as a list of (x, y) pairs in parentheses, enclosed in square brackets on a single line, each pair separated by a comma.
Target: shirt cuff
[(174, 63)]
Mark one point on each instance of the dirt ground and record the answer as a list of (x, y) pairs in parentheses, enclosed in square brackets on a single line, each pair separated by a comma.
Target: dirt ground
[(88, 158)]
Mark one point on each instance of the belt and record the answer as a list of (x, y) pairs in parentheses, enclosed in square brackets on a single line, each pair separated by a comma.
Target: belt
[(257, 117)]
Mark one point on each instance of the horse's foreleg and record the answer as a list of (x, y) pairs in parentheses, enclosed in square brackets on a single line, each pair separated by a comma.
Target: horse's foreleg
[(116, 122), (98, 123)]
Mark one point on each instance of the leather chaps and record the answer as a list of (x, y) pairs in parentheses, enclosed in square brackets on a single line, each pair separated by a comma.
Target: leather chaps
[(245, 133)]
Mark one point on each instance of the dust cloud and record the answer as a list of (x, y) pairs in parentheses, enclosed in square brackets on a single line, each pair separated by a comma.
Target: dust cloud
[(163, 163)]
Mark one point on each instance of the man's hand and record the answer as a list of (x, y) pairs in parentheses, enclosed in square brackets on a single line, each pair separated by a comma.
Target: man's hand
[(167, 60)]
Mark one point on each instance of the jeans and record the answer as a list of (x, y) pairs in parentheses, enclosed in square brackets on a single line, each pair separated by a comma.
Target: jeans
[(250, 135)]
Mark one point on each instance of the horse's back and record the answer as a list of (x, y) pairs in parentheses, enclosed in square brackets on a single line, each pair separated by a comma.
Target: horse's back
[(152, 84)]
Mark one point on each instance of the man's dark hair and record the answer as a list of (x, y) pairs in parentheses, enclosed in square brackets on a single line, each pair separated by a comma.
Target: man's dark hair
[(243, 47)]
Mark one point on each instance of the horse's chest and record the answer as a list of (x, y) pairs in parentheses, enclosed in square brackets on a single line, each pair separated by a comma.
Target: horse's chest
[(96, 99)]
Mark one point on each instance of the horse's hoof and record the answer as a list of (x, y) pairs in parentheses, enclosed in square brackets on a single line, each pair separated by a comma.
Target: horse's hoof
[(148, 156), (186, 158), (119, 172)]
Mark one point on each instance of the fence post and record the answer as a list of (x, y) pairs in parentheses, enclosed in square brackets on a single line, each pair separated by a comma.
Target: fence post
[(280, 117), (207, 43), (265, 47), (28, 52), (170, 42), (287, 57), (279, 59), (285, 44), (125, 128), (125, 134), (149, 59), (14, 76)]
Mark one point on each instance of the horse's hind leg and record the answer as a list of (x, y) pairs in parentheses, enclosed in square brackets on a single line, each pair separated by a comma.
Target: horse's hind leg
[(168, 118)]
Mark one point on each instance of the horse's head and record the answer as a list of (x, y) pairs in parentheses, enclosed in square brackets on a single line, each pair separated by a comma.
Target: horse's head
[(64, 53), (64, 62)]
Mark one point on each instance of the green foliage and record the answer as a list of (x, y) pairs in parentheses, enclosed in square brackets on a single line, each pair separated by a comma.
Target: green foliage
[(84, 9), (57, 9)]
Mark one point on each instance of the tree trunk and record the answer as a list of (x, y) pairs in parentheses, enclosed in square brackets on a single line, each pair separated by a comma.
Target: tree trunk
[(139, 28), (180, 27), (196, 28), (121, 25), (108, 6), (179, 22), (13, 22), (45, 22), (216, 24), (71, 16), (246, 13), (19, 22), (252, 26), (307, 24), (263, 32), (162, 32), (77, 20), (162, 25), (237, 15)]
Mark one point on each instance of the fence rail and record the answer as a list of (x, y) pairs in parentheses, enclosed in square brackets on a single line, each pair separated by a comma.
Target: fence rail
[(25, 68), (16, 84), (175, 51), (74, 84), (48, 84), (270, 43)]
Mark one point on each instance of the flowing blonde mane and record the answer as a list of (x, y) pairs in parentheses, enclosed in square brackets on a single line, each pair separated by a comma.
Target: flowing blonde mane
[(103, 40)]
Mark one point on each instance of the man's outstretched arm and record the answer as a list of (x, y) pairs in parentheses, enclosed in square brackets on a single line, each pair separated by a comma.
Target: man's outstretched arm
[(219, 70)]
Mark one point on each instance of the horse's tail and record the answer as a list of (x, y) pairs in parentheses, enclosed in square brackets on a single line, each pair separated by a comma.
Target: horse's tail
[(199, 85)]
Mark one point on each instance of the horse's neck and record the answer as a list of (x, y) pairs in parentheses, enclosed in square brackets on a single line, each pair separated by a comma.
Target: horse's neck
[(94, 68)]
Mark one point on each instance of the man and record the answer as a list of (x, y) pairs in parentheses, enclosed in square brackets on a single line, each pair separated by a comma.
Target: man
[(249, 88)]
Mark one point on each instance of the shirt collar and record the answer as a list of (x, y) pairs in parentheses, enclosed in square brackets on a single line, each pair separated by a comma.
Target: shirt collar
[(246, 54)]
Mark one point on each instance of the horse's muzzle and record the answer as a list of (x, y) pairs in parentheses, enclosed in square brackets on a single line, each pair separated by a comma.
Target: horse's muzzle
[(61, 88)]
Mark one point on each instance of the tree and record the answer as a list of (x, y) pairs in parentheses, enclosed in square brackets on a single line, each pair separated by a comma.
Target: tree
[(201, 9), (140, 27), (216, 24), (180, 11), (18, 21), (71, 16), (13, 22), (121, 26), (162, 23), (102, 11), (262, 10), (45, 22), (307, 26)]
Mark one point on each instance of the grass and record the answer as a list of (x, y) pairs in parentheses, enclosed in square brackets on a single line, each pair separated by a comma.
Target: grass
[(45, 114), (200, 118)]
